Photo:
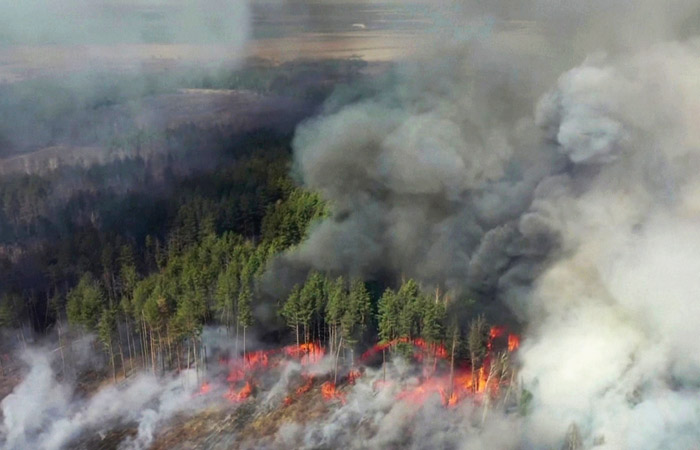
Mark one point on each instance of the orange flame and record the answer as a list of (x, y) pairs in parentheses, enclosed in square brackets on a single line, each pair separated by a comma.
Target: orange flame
[(426, 349), (329, 392), (496, 331), (309, 353), (513, 342), (241, 395)]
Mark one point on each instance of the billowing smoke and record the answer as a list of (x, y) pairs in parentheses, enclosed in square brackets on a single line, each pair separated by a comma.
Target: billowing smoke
[(575, 205), (615, 351)]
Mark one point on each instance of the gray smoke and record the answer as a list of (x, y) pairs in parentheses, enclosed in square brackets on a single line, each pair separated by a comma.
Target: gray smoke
[(575, 205)]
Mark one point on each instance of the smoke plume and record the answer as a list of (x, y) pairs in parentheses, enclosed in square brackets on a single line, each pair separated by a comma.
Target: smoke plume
[(575, 205)]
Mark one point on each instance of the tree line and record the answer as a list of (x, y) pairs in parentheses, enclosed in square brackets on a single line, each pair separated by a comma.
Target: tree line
[(158, 317)]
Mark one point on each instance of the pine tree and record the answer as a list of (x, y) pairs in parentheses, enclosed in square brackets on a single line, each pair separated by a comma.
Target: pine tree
[(226, 295), (356, 315), (313, 298), (106, 330), (245, 313), (433, 317), (335, 309), (389, 310), (291, 310), (85, 302)]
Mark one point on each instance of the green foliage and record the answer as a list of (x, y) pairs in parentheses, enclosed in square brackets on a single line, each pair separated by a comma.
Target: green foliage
[(226, 295), (10, 310), (356, 316), (291, 310), (433, 320), (85, 303), (337, 301), (388, 317), (245, 313), (287, 221), (107, 327)]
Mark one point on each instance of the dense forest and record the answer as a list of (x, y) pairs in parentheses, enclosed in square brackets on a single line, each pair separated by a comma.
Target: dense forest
[(144, 250)]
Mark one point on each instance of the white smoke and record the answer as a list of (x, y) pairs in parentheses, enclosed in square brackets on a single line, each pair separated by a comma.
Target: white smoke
[(373, 417), (615, 352), (45, 413)]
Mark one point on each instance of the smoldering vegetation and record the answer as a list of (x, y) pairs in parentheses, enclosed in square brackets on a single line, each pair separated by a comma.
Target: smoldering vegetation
[(54, 408)]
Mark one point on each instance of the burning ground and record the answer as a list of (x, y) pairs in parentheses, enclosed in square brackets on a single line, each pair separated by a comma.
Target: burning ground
[(293, 397)]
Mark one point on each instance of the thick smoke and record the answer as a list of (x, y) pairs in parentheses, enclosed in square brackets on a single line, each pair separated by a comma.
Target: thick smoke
[(576, 205), (615, 351), (430, 175)]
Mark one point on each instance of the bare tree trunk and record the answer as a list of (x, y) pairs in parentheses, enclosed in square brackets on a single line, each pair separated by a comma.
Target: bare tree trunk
[(144, 342), (204, 362), (128, 343), (384, 364), (487, 396), (244, 360), (161, 357), (153, 352), (237, 327), (510, 387), (337, 356), (114, 370), (178, 350), (475, 379), (170, 349), (196, 361), (60, 345), (121, 354), (452, 363)]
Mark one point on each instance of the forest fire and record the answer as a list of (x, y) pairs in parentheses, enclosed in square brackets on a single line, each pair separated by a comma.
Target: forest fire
[(240, 395), (513, 342), (434, 350), (453, 385), (329, 392), (467, 381)]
